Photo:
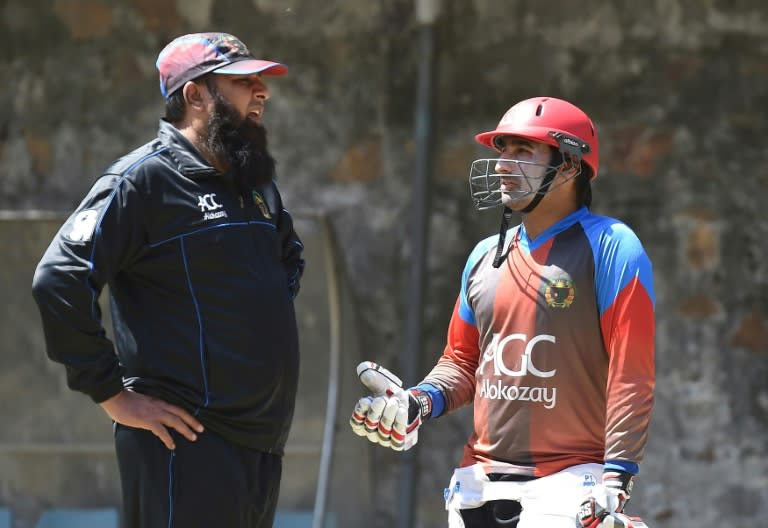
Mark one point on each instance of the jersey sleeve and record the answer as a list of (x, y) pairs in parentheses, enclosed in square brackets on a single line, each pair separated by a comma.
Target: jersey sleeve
[(94, 243), (454, 373), (626, 300)]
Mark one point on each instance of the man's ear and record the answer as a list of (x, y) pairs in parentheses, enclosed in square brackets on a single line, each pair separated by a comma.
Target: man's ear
[(570, 164), (195, 95)]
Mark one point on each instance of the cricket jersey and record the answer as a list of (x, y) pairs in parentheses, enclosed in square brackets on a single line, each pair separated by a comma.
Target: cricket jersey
[(555, 348)]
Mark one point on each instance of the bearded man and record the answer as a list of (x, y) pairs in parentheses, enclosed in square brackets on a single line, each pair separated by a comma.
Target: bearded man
[(203, 264)]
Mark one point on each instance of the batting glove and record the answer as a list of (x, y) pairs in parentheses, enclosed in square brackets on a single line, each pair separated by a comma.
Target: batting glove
[(587, 519), (391, 417), (607, 500)]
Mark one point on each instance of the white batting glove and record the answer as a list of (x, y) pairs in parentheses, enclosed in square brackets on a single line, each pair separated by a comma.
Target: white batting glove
[(588, 519), (391, 417), (604, 506)]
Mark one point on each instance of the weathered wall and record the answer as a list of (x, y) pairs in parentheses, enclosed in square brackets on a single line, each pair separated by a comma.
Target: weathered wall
[(678, 90)]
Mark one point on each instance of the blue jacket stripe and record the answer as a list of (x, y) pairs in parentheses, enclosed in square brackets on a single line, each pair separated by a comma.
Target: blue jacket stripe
[(200, 335), (208, 228)]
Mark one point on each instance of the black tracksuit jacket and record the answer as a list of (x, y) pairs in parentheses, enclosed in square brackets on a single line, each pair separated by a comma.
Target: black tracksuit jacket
[(202, 274)]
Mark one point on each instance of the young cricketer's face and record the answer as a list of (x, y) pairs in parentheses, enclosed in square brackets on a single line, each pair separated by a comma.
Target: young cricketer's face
[(522, 165)]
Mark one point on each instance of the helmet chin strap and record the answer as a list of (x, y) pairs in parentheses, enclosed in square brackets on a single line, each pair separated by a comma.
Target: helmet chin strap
[(506, 217), (543, 189)]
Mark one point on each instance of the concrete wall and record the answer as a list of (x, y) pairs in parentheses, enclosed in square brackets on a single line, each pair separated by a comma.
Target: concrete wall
[(678, 90)]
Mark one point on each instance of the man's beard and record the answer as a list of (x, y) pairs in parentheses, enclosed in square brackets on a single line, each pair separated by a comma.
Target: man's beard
[(240, 144)]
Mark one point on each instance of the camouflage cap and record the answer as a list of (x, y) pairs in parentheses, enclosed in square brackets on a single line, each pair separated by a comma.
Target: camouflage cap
[(190, 56)]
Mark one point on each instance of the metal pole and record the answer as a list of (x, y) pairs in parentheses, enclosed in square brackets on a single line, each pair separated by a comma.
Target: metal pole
[(426, 13), (334, 306)]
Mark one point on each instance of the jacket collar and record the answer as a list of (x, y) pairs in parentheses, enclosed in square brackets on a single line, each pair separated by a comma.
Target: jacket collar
[(188, 159)]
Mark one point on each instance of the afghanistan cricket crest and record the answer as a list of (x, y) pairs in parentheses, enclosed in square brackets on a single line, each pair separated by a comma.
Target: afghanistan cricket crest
[(560, 292), (261, 204)]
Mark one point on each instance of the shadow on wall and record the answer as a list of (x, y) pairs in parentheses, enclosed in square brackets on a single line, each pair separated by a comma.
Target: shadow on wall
[(57, 466)]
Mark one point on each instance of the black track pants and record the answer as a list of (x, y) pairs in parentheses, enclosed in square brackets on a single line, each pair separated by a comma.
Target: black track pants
[(209, 483)]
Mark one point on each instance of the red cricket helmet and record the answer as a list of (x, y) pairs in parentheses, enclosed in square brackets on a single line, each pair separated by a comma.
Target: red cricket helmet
[(551, 121)]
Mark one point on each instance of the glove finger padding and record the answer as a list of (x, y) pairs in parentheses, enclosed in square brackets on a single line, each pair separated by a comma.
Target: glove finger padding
[(405, 434), (619, 520), (591, 516), (373, 417), (357, 420), (388, 417)]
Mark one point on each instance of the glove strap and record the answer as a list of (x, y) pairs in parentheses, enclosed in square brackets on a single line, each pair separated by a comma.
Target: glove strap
[(619, 480), (423, 405)]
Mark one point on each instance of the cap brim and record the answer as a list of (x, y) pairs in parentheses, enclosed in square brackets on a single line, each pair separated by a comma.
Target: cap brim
[(250, 66)]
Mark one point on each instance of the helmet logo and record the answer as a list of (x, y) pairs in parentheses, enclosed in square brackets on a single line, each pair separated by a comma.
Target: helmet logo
[(571, 145)]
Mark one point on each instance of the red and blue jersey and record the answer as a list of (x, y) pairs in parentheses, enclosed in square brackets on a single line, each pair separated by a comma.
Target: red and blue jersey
[(555, 348)]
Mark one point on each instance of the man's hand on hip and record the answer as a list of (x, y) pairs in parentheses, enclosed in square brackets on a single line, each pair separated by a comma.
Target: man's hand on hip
[(145, 412)]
